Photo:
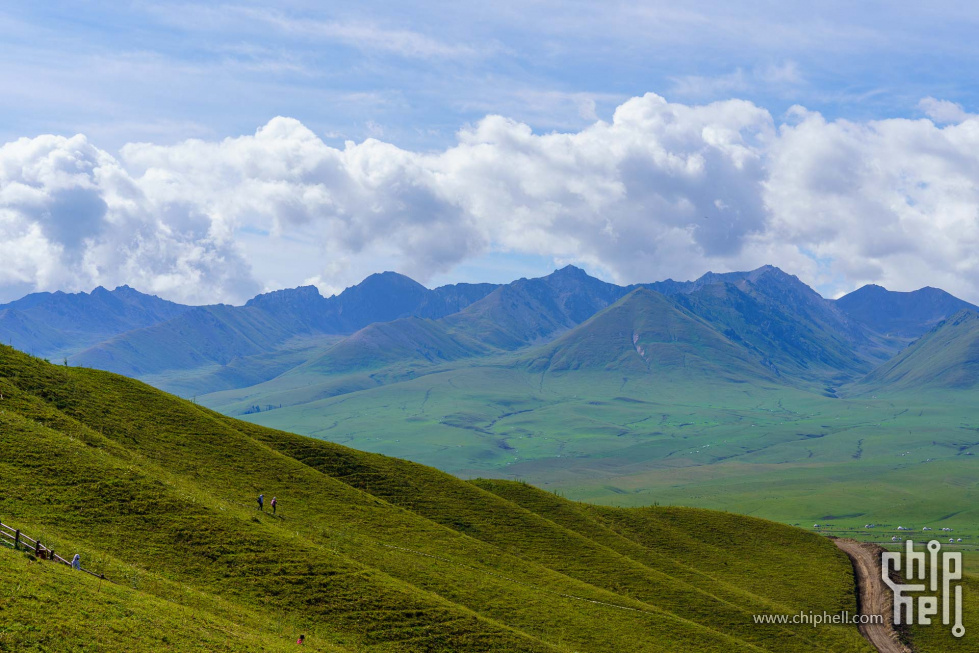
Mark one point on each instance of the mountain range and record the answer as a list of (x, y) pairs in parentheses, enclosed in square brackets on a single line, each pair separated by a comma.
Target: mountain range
[(773, 321), (59, 324)]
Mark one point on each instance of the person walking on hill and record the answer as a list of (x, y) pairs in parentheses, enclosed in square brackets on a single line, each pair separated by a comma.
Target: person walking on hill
[(76, 562), (274, 503), (261, 502), (301, 640)]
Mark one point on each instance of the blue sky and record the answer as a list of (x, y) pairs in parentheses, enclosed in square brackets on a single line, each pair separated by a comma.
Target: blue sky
[(226, 149), (413, 73)]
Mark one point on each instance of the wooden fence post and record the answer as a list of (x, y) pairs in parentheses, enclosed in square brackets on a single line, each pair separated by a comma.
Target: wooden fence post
[(16, 539)]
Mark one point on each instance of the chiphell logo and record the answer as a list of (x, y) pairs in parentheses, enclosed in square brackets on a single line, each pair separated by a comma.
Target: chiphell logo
[(925, 567)]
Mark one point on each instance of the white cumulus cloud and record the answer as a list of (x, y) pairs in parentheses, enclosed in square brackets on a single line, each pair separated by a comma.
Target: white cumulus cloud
[(662, 189), (942, 111), (72, 218), (894, 202)]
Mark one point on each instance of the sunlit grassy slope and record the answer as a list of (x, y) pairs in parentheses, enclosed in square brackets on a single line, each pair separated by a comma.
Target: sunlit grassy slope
[(633, 440), (367, 552), (937, 638)]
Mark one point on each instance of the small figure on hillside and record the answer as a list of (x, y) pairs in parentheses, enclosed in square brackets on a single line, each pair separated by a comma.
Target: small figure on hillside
[(274, 503), (261, 502), (301, 640), (76, 562)]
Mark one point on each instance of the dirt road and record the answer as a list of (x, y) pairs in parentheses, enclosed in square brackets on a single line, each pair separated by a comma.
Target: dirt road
[(875, 597)]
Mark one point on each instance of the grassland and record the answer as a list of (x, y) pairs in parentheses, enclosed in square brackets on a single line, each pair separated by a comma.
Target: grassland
[(367, 552), (46, 608), (754, 448), (936, 637), (904, 459)]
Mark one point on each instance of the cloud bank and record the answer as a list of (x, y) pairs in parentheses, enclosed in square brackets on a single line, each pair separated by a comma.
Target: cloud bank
[(662, 189)]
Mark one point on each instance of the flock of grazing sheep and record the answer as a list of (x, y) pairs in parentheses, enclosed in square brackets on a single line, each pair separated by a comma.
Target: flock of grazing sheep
[(895, 538)]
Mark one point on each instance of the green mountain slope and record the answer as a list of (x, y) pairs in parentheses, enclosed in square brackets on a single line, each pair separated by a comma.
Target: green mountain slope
[(946, 358), (760, 319), (647, 333), (202, 336), (48, 609), (806, 339), (801, 340), (367, 552), (406, 341), (512, 317)]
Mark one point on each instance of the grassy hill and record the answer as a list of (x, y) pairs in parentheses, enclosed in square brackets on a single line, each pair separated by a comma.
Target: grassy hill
[(631, 438), (366, 552)]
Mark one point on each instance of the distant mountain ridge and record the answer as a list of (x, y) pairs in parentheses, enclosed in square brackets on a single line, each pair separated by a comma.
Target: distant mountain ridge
[(60, 324), (945, 358), (221, 334), (530, 311), (902, 314), (777, 324), (511, 317)]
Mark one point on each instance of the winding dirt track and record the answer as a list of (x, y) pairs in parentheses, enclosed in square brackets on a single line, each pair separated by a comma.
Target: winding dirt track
[(875, 597)]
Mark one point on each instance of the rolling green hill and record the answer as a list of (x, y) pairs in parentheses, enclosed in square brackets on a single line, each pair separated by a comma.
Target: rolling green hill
[(366, 552)]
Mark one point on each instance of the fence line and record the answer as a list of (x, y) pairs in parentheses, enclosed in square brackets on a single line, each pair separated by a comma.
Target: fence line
[(18, 539)]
